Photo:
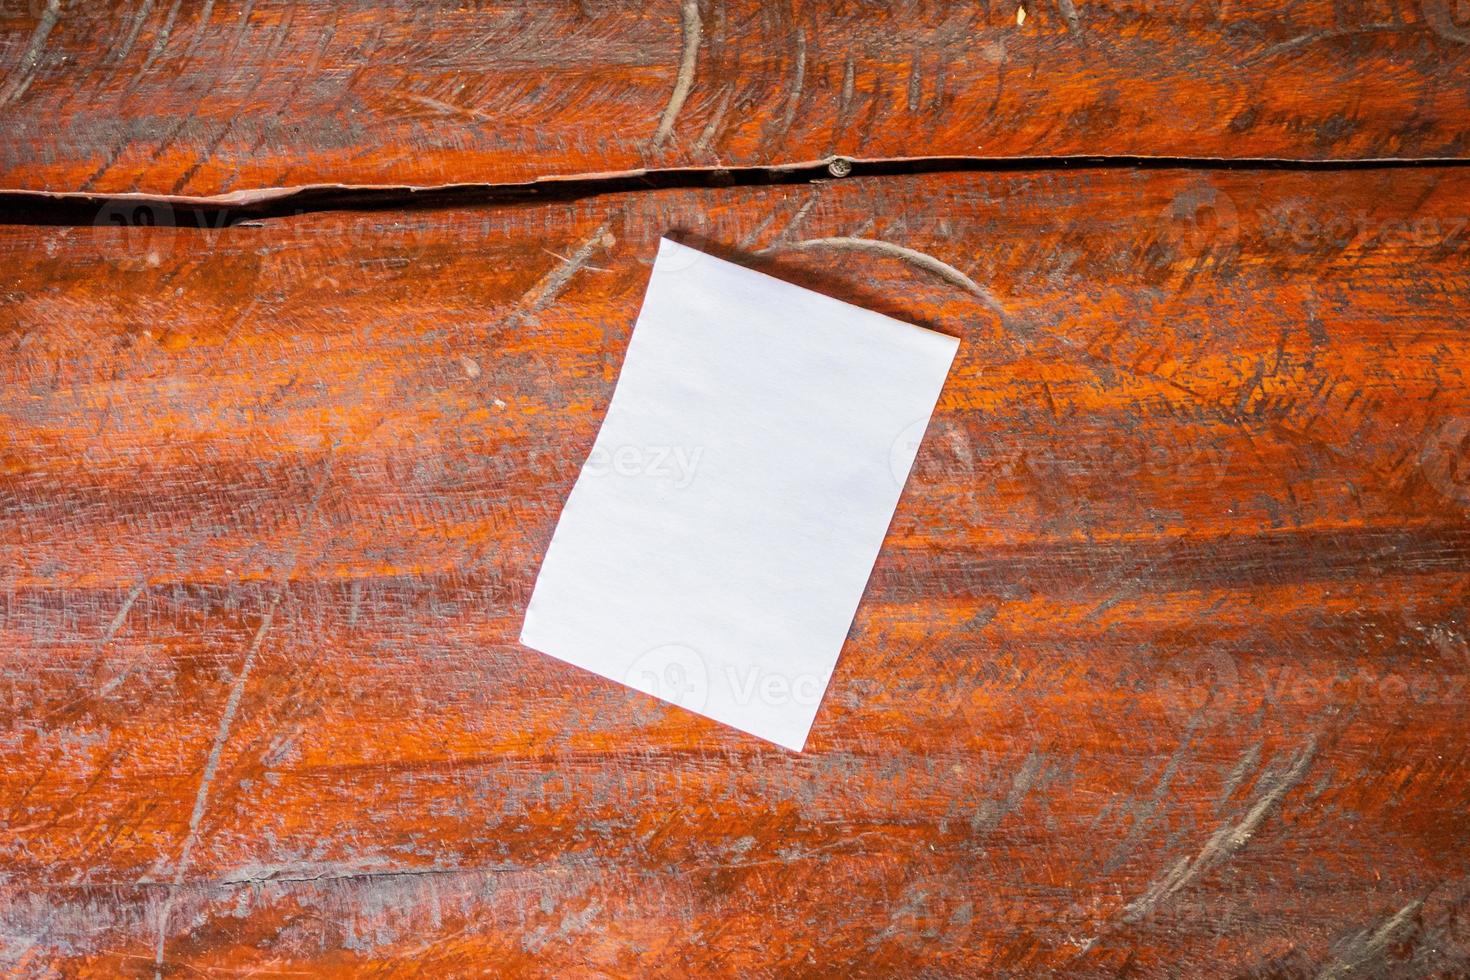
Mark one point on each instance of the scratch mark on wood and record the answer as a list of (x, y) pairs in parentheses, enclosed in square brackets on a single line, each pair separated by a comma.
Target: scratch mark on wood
[(446, 108), (272, 48), (757, 230), (167, 140), (1122, 586), (991, 812), (1225, 843), (1098, 361), (242, 27), (200, 29), (112, 628), (1314, 36), (160, 41), (1248, 762), (567, 258), (356, 606), (1069, 13), (916, 82), (227, 719), (702, 145), (134, 29), (221, 736), (794, 99), (122, 613), (849, 84), (101, 642), (211, 766), (1366, 947), (309, 71), (25, 69), (684, 80), (797, 218), (551, 284), (914, 257), (1143, 815)]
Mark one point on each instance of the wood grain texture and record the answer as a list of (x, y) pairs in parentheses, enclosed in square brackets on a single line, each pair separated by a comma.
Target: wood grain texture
[(1162, 670), (223, 96)]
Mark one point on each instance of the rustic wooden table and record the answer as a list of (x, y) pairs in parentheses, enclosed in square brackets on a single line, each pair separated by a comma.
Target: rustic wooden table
[(1163, 670)]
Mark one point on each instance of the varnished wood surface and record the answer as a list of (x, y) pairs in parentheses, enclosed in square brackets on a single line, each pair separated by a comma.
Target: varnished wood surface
[(228, 96), (1162, 670)]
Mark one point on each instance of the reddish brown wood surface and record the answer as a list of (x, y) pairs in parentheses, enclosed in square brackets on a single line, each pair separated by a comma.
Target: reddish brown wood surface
[(1162, 671), (203, 98)]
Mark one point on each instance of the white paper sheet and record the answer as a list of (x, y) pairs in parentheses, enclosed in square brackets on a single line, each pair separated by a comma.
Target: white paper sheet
[(718, 539)]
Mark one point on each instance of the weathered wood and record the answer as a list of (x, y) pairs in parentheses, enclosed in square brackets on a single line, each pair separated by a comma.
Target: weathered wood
[(1162, 669), (167, 97)]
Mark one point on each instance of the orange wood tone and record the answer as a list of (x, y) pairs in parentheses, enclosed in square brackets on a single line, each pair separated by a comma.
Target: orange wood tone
[(1162, 670), (169, 97)]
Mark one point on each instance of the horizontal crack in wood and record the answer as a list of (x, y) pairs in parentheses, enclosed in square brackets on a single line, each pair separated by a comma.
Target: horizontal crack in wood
[(69, 208)]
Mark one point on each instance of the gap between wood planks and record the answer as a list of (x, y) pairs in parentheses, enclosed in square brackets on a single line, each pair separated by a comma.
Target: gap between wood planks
[(20, 207)]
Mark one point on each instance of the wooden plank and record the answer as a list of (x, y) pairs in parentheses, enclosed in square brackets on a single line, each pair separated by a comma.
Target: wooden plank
[(1163, 666), (166, 97)]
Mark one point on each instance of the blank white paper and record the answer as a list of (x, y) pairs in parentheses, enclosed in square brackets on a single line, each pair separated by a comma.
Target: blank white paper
[(716, 544)]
